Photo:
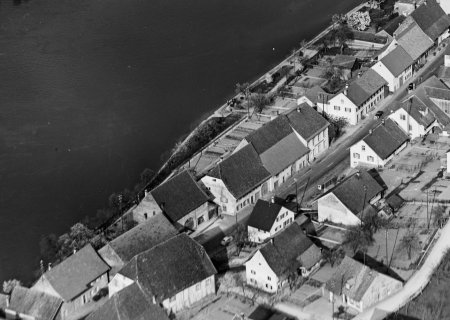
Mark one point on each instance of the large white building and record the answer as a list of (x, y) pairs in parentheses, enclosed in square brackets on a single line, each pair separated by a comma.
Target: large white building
[(357, 99), (378, 147)]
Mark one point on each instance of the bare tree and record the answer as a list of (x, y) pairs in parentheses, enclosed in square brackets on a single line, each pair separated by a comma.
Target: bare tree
[(358, 238), (439, 216), (409, 243)]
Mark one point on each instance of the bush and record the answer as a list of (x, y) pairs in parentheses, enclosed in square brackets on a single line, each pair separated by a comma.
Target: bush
[(359, 20)]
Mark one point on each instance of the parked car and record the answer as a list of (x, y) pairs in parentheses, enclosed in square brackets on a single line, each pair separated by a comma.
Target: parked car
[(378, 114), (226, 240)]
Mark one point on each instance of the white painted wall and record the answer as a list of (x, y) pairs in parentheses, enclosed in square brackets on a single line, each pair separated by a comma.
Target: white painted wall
[(360, 154), (409, 125), (222, 197), (284, 219), (260, 275), (191, 295), (380, 288), (445, 4), (393, 82), (340, 106), (331, 208), (118, 283)]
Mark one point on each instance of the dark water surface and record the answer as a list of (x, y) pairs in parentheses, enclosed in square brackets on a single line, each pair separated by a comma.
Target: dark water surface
[(94, 91)]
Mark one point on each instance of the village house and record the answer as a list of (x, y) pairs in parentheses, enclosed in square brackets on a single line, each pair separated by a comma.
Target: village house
[(347, 64), (405, 7), (183, 201), (31, 304), (76, 280), (378, 147), (425, 110), (396, 68), (352, 198), (176, 273), (288, 255), (238, 181), (311, 128), (444, 70), (357, 99), (267, 219), (144, 236), (131, 303), (432, 19), (311, 96), (358, 286)]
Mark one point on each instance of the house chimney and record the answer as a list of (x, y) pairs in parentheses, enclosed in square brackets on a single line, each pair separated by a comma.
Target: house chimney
[(154, 299), (383, 122), (359, 74), (49, 266), (298, 109), (272, 200), (346, 89), (370, 131)]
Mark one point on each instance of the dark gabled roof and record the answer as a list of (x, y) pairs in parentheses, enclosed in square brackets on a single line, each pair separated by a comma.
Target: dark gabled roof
[(351, 191), (34, 303), (416, 109), (282, 253), (269, 134), (431, 18), (364, 87), (395, 201), (306, 121), (130, 303), (283, 154), (397, 61), (179, 196), (344, 61), (386, 138), (393, 24), (359, 277), (263, 215), (73, 276), (242, 172), (428, 90), (170, 267), (414, 41), (143, 237)]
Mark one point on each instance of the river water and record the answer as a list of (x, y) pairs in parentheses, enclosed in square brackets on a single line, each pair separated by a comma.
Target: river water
[(94, 91)]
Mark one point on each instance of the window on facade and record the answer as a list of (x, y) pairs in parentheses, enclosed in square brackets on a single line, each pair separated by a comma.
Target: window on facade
[(410, 127), (321, 135), (145, 216), (402, 117), (197, 286), (208, 281), (370, 158), (83, 299), (224, 208), (356, 155), (363, 148), (252, 272), (337, 108), (268, 278)]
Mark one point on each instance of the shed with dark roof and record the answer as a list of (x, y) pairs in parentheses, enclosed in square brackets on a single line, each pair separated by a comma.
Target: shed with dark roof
[(179, 196)]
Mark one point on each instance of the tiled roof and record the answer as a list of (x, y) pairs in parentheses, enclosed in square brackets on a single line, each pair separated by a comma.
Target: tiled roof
[(306, 121), (283, 252), (431, 18), (394, 24), (416, 109), (269, 134), (415, 41), (143, 237), (170, 267), (34, 303), (130, 303), (397, 61), (316, 94), (263, 215), (444, 72), (386, 139), (344, 61), (73, 276), (351, 191), (430, 89), (358, 277), (242, 172), (364, 87), (179, 195), (283, 154)]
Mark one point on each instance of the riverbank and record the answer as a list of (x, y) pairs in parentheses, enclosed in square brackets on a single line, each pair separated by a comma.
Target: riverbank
[(179, 156)]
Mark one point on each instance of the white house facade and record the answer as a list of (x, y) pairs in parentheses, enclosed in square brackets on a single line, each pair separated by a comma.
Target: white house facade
[(330, 208), (394, 82), (284, 218), (260, 275)]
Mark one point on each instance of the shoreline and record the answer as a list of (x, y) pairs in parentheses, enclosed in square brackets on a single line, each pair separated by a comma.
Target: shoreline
[(181, 143)]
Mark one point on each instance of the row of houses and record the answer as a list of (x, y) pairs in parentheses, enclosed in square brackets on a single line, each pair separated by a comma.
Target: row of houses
[(148, 272)]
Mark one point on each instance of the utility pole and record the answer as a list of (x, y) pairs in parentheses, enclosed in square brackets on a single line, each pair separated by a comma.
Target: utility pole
[(387, 255), (364, 204), (296, 193)]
